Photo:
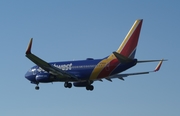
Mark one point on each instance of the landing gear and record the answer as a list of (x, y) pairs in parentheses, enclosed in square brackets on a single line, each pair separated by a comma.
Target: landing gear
[(89, 87), (67, 85), (37, 87)]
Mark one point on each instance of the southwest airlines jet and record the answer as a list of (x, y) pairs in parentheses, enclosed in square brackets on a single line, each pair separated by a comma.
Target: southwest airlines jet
[(83, 73)]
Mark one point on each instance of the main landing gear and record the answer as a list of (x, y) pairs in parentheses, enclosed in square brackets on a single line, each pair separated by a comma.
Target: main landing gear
[(67, 85), (89, 87)]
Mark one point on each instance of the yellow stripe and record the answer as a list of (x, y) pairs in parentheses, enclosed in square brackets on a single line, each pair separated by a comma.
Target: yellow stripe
[(99, 67), (136, 23), (102, 64)]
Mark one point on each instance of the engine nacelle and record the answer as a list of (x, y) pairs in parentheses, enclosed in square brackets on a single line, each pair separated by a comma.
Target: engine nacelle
[(44, 78), (82, 84), (89, 59)]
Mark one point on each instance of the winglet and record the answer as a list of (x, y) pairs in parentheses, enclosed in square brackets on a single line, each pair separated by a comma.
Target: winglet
[(158, 66), (28, 50)]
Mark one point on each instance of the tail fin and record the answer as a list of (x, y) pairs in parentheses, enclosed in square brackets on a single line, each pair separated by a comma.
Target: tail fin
[(129, 44)]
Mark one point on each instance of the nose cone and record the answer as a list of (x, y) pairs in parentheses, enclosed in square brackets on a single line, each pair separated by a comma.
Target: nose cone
[(30, 77)]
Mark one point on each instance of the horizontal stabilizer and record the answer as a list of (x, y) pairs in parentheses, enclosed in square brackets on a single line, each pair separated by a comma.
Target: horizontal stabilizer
[(121, 76), (121, 58), (144, 61)]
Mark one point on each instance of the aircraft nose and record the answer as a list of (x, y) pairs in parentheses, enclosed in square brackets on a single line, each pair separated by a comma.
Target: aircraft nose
[(30, 77)]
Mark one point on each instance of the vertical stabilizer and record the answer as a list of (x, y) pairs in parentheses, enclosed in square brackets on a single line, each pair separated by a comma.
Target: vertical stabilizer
[(129, 44)]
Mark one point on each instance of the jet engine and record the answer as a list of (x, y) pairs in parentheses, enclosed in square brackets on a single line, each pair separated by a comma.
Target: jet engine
[(44, 78), (82, 84)]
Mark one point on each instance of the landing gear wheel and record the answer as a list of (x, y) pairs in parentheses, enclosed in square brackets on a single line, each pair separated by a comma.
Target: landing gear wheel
[(67, 85), (89, 87), (37, 87)]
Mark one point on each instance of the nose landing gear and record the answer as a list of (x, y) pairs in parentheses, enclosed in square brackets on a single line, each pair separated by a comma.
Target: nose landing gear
[(37, 87)]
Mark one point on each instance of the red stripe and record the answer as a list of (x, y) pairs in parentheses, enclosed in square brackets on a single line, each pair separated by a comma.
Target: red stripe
[(108, 69), (132, 42), (126, 51)]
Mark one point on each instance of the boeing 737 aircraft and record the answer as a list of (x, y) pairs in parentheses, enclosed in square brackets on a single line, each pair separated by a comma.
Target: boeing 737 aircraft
[(83, 73)]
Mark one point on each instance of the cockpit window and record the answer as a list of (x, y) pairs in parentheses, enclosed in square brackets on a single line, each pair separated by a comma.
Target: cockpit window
[(34, 71)]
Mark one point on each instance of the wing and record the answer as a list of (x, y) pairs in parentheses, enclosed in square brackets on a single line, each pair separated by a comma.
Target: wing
[(46, 66), (121, 76)]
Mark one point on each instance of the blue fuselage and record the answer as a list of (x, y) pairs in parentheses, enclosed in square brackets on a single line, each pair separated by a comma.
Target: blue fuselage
[(82, 69)]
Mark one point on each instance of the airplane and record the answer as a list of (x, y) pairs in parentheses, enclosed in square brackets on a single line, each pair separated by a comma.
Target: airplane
[(82, 73)]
